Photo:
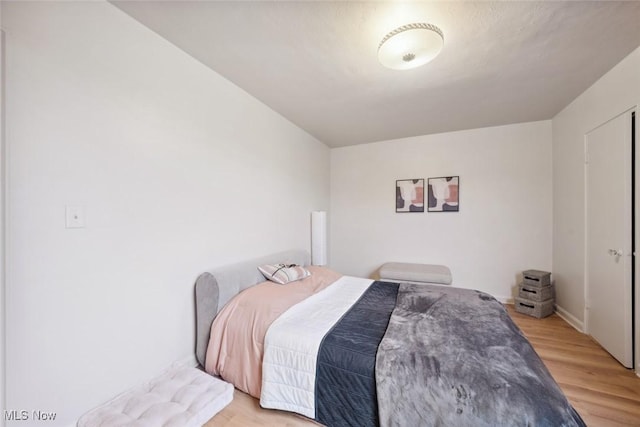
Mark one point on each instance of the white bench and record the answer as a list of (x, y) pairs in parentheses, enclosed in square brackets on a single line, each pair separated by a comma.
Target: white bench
[(181, 397), (415, 273)]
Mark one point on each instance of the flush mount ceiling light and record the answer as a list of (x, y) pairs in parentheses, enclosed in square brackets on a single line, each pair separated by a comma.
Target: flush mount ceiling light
[(410, 46)]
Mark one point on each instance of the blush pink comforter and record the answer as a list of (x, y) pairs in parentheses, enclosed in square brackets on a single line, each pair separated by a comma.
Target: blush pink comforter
[(237, 334)]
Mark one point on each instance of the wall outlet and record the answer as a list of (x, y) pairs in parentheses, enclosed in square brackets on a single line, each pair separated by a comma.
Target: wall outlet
[(74, 217)]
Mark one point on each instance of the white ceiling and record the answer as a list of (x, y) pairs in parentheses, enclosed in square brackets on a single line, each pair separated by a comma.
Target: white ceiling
[(316, 62)]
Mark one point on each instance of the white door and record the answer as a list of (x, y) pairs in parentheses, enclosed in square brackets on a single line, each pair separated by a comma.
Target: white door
[(608, 225)]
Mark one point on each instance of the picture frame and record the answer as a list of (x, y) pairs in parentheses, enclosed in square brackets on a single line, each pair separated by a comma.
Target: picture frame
[(443, 194), (410, 195)]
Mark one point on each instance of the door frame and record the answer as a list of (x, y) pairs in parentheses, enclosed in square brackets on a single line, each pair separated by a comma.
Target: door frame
[(636, 260), (635, 207)]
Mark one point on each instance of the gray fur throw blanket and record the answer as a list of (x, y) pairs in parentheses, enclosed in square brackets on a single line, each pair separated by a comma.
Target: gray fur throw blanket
[(454, 357)]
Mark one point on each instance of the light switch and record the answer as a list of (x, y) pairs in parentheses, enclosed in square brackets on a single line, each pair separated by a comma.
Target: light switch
[(75, 217)]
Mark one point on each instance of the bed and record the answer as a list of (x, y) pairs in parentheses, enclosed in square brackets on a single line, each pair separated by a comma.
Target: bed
[(348, 351)]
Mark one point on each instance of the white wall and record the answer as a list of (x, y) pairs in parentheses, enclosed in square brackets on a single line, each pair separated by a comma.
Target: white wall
[(2, 229), (614, 93), (178, 171), (504, 223)]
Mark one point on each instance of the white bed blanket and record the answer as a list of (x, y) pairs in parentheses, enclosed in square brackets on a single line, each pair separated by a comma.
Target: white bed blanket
[(292, 342)]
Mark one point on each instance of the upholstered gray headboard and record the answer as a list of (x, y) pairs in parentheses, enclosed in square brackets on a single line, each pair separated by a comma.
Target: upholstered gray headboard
[(216, 287)]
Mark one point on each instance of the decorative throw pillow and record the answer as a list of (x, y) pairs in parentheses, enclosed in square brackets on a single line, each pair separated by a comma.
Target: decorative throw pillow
[(283, 273)]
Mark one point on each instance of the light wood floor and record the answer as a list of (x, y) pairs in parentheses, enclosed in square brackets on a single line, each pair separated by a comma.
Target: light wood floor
[(601, 390)]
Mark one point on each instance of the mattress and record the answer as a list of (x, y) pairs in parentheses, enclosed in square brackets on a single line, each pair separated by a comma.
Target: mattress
[(360, 352)]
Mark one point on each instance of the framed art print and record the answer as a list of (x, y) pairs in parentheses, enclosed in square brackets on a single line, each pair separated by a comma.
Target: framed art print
[(444, 194), (410, 195)]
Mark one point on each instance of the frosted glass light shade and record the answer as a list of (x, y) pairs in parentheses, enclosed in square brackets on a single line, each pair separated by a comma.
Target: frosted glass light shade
[(319, 238), (410, 46)]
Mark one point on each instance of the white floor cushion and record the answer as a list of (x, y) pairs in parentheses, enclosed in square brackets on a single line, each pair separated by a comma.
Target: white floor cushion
[(415, 273), (181, 397)]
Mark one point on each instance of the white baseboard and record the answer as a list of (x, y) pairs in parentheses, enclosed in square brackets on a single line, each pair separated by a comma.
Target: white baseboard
[(190, 361), (505, 300), (570, 318)]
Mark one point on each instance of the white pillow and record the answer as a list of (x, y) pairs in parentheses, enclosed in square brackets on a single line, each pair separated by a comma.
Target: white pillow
[(283, 273)]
